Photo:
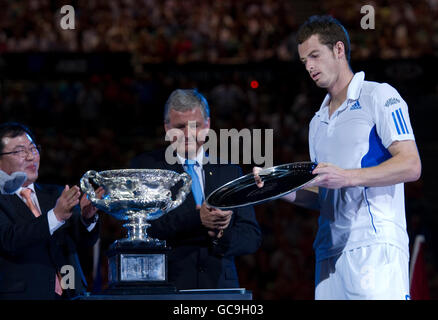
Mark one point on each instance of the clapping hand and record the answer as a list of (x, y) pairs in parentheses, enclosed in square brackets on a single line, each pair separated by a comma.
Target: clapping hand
[(66, 201), (87, 209)]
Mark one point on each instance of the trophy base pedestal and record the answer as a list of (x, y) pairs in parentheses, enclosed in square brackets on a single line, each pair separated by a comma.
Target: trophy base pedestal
[(138, 267)]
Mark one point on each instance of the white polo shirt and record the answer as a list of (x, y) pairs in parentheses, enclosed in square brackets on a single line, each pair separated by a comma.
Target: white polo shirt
[(357, 135)]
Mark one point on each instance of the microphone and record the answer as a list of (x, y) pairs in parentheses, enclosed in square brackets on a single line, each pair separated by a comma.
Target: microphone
[(11, 183)]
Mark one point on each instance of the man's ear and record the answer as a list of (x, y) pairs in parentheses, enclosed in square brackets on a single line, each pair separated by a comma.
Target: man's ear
[(339, 50)]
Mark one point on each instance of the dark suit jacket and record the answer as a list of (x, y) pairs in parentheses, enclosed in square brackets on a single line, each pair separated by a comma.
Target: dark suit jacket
[(30, 256), (194, 260)]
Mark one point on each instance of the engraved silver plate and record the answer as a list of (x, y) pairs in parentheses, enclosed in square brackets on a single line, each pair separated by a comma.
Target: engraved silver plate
[(142, 267)]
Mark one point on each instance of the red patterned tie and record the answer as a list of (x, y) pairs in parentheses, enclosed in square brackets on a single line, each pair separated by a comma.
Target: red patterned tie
[(25, 193)]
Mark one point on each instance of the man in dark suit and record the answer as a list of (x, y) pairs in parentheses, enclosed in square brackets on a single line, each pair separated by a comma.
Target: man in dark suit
[(41, 227), (203, 240)]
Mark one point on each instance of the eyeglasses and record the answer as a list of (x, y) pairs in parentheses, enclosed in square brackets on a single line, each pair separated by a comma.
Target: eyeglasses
[(23, 152)]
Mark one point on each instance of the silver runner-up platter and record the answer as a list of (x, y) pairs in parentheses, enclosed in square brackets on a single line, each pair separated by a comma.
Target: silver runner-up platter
[(277, 182), (137, 196)]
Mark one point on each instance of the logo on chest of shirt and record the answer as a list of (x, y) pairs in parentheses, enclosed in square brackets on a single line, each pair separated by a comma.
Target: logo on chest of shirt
[(356, 106)]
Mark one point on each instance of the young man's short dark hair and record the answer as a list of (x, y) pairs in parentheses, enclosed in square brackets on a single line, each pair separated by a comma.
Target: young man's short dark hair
[(329, 30), (12, 130)]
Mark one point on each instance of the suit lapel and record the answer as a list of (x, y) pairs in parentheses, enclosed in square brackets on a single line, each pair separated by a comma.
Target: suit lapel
[(174, 167), (211, 179), (19, 207), (45, 199)]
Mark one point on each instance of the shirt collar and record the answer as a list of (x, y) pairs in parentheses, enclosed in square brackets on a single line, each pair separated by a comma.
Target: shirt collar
[(199, 157), (355, 86), (31, 186), (353, 92)]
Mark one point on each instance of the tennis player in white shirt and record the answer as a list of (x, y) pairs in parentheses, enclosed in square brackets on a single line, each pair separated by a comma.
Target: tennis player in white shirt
[(363, 142)]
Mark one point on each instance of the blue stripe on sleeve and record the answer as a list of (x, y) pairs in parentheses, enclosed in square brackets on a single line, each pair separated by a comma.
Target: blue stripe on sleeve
[(403, 118), (399, 121), (395, 122)]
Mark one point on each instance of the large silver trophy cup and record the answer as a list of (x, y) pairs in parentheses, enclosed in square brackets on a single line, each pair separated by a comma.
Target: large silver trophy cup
[(137, 196)]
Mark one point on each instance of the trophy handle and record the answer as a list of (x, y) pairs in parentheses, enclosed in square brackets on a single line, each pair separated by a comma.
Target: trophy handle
[(86, 186), (185, 189)]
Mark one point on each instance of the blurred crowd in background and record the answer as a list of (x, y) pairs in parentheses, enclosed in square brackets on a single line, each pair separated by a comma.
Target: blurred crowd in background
[(242, 56), (225, 31)]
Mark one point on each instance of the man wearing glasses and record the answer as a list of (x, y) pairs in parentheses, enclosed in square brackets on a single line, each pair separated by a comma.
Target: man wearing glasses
[(41, 226)]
